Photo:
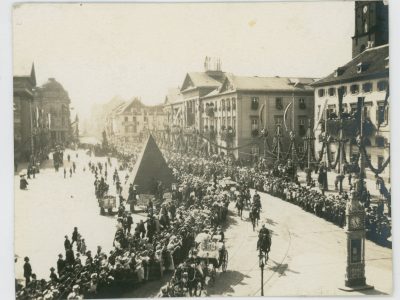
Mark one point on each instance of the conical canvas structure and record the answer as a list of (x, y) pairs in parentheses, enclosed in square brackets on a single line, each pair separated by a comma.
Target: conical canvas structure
[(150, 168)]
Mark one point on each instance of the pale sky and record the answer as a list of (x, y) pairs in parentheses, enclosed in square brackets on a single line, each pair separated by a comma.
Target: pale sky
[(97, 51)]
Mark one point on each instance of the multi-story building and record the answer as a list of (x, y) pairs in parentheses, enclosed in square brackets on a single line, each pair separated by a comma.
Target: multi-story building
[(24, 83), (129, 122), (365, 77), (243, 106), (232, 110), (53, 101)]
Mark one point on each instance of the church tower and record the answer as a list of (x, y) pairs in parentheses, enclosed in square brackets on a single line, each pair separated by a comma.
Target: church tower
[(371, 25)]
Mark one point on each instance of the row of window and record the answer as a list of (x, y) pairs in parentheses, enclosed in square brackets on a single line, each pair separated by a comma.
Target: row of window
[(302, 125), (126, 119), (382, 111), (226, 104), (354, 89), (278, 103), (220, 123)]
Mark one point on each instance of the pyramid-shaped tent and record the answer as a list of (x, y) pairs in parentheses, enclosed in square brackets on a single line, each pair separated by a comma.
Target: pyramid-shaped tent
[(150, 168)]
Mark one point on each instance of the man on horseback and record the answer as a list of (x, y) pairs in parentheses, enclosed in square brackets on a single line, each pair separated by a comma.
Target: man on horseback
[(257, 200), (264, 240)]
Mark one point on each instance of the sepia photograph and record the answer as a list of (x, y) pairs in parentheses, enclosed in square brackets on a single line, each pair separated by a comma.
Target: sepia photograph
[(201, 149)]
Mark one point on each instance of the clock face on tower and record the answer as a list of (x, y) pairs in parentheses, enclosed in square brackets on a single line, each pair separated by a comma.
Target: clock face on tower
[(355, 222)]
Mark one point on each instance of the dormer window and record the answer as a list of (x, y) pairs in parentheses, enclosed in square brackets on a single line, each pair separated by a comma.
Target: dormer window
[(339, 72), (361, 67)]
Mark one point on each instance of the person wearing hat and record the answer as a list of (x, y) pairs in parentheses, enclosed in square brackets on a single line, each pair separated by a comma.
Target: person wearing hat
[(53, 275), (129, 222), (78, 260), (83, 246), (75, 236), (67, 243), (61, 264), (69, 256), (27, 271)]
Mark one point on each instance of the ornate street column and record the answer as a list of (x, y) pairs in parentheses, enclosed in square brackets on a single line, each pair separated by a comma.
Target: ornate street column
[(355, 230)]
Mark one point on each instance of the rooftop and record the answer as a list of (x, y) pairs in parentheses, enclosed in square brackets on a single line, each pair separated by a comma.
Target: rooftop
[(374, 59), (202, 79)]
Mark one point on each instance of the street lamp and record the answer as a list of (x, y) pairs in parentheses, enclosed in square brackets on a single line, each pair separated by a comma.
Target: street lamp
[(262, 262)]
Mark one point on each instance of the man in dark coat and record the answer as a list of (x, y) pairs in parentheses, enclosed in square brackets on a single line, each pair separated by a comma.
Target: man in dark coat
[(129, 222), (60, 265), (70, 257), (27, 271), (53, 276), (67, 243), (142, 229), (74, 236)]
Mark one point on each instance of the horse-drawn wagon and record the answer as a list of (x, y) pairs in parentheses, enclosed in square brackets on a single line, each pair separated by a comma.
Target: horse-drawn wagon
[(108, 202)]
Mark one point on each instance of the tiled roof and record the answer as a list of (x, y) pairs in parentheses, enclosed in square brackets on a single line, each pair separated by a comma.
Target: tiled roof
[(201, 79), (255, 83), (373, 58)]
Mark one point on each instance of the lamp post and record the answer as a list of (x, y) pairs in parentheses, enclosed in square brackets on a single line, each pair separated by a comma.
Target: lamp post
[(262, 262)]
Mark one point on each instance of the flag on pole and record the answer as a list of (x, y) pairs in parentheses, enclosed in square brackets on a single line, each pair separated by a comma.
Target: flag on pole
[(381, 109), (321, 114), (260, 116), (284, 115)]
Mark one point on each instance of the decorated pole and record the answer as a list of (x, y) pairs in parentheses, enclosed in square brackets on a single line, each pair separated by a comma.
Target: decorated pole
[(278, 139)]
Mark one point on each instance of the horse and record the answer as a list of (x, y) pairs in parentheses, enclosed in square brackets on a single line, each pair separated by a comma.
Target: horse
[(264, 244), (239, 206), (195, 280)]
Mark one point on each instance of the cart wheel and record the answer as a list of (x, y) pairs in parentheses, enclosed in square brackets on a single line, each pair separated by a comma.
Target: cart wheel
[(225, 261)]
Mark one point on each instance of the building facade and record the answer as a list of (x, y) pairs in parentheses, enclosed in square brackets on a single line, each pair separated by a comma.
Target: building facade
[(245, 107), (231, 111), (364, 84), (24, 83), (53, 102), (366, 77), (129, 122)]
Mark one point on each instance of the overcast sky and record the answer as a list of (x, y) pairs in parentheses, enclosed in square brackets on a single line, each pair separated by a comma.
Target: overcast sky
[(97, 51)]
